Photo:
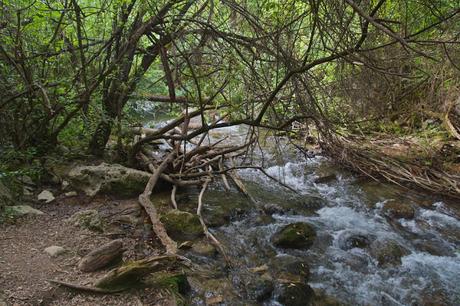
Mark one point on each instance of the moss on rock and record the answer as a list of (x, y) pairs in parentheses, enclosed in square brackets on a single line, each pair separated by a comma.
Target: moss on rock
[(182, 225), (387, 252), (298, 235), (398, 210), (89, 219)]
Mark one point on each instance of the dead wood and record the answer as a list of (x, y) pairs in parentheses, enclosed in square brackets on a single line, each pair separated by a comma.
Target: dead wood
[(144, 200), (102, 256)]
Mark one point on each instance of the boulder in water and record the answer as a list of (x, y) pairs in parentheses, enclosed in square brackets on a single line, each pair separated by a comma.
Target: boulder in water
[(286, 269), (398, 210), (182, 225), (204, 248), (298, 235), (387, 252), (434, 247), (296, 294), (348, 240), (259, 288)]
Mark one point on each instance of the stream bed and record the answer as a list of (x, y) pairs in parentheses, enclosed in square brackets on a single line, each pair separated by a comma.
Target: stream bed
[(362, 255)]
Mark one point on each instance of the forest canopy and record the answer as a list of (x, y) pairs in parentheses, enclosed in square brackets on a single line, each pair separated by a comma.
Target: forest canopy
[(76, 72)]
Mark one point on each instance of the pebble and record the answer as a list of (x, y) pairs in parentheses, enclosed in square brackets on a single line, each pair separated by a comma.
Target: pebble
[(54, 250)]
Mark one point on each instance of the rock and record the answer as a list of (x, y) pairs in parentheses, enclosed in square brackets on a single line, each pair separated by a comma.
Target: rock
[(21, 210), (27, 191), (65, 184), (295, 294), (306, 205), (398, 210), (259, 288), (349, 240), (213, 290), (322, 299), (263, 219), (295, 236), (54, 250), (434, 247), (177, 282), (219, 208), (387, 252), (46, 196), (89, 219), (325, 179), (102, 256), (108, 179), (434, 297), (182, 225), (288, 269), (204, 249), (271, 209), (71, 194)]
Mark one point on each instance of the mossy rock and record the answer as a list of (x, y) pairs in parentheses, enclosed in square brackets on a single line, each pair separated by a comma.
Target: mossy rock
[(111, 179), (398, 210), (89, 219), (176, 282), (298, 235), (387, 252), (204, 249), (288, 269), (182, 225), (295, 294)]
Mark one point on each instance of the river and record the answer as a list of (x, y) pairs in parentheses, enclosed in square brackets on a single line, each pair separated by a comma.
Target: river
[(341, 208)]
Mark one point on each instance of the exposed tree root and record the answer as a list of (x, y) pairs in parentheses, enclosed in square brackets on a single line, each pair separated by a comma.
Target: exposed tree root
[(144, 200)]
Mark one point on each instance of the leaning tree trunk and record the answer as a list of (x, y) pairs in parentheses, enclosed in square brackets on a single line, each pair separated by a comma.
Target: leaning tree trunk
[(101, 137)]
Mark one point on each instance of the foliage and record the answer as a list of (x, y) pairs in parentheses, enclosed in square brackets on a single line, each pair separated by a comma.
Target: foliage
[(79, 72)]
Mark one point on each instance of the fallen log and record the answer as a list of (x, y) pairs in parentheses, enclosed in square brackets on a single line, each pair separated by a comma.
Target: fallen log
[(102, 256), (130, 275)]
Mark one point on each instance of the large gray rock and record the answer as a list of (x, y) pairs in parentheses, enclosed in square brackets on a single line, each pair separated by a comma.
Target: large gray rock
[(109, 179)]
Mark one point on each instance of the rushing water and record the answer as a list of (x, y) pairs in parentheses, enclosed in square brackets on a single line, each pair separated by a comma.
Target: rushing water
[(352, 206)]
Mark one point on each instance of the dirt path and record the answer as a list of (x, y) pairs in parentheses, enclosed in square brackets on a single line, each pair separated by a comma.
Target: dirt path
[(25, 267)]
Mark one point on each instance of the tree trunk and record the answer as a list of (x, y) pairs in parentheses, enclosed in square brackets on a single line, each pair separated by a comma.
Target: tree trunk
[(101, 137)]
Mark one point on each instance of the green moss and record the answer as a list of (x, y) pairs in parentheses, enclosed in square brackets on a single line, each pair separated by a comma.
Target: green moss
[(177, 282), (182, 225), (296, 235), (125, 188), (127, 276)]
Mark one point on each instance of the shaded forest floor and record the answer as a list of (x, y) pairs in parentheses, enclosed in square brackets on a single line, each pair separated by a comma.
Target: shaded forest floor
[(26, 267)]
